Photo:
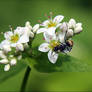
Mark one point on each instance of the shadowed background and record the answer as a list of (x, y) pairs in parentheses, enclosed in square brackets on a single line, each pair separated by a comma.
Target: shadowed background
[(17, 12)]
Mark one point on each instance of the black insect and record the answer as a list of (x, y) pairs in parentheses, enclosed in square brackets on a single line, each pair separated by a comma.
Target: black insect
[(64, 47)]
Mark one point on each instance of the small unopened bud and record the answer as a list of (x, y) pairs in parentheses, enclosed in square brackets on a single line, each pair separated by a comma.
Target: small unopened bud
[(35, 28), (13, 61), (69, 33), (4, 61), (19, 47), (7, 67)]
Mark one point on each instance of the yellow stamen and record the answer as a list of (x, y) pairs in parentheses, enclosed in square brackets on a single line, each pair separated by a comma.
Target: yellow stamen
[(14, 38), (53, 44), (51, 24)]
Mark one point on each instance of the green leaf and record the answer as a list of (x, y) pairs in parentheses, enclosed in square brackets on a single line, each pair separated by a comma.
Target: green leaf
[(65, 63), (12, 72)]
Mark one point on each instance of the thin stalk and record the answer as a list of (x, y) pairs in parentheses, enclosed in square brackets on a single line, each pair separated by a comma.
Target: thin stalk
[(24, 83)]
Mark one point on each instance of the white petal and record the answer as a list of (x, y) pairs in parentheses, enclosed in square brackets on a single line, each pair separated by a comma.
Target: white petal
[(4, 61), (72, 23), (20, 47), (35, 28), (7, 67), (45, 23), (51, 31), (52, 56), (58, 25), (13, 44), (6, 48), (24, 39), (49, 37), (5, 42), (58, 18), (19, 30), (69, 33), (61, 37), (41, 30), (13, 61), (44, 47), (8, 35)]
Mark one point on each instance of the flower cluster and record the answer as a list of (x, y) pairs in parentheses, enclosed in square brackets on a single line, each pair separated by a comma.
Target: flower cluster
[(57, 37), (15, 42)]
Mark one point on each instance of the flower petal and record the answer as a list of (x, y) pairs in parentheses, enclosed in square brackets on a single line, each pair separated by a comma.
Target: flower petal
[(44, 47), (41, 30), (8, 35), (45, 23), (24, 39), (52, 56), (49, 37), (61, 37), (35, 28), (58, 18), (5, 42), (51, 31)]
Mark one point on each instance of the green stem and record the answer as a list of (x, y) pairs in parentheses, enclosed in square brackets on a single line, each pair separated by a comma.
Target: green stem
[(24, 83)]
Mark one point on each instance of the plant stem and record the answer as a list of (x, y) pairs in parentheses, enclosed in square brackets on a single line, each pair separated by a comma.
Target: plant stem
[(24, 83)]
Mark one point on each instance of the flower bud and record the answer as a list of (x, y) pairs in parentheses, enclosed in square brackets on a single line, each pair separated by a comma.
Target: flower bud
[(72, 23), (13, 61), (4, 61), (7, 67), (19, 47), (35, 28), (69, 33), (28, 25), (78, 28), (64, 27)]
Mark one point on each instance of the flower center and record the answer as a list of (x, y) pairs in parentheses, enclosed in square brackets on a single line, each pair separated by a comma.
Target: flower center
[(53, 44), (51, 24), (14, 38)]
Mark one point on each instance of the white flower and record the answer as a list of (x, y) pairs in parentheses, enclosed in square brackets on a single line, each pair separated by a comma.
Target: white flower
[(13, 62), (7, 67), (49, 46), (50, 25), (16, 37), (4, 61), (76, 27)]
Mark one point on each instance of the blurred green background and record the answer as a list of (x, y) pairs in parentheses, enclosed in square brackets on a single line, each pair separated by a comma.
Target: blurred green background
[(17, 12)]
